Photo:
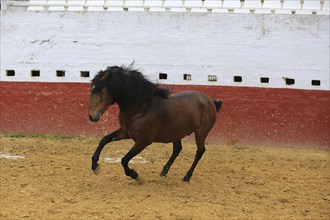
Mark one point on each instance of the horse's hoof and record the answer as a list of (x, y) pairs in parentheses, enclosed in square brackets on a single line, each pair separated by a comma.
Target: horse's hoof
[(97, 170), (139, 180), (162, 174), (186, 179)]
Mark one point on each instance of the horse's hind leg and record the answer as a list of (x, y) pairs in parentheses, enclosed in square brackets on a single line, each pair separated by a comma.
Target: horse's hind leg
[(200, 141), (177, 147)]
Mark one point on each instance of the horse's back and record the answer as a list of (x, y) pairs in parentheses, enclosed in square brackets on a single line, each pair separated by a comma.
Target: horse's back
[(196, 99)]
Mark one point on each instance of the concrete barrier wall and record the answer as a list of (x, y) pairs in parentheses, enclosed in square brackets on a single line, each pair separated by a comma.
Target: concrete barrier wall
[(225, 45), (271, 71)]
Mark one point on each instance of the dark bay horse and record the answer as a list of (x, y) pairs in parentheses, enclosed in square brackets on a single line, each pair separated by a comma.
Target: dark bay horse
[(150, 114)]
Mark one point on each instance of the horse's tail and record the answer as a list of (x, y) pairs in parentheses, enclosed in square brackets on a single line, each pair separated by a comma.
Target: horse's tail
[(217, 104)]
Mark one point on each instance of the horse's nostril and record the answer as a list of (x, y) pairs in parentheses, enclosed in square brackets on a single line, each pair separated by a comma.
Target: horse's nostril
[(90, 118), (94, 118)]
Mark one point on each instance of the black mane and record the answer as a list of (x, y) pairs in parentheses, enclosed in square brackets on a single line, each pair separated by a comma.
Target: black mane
[(128, 87)]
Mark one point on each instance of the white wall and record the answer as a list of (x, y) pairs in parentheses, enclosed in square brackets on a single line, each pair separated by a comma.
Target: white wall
[(247, 45)]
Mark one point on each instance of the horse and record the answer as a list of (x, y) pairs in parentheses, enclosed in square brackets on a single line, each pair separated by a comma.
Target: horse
[(149, 113)]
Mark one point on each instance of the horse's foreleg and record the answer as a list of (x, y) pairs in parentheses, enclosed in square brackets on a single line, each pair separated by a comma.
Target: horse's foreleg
[(135, 150), (177, 147), (114, 136)]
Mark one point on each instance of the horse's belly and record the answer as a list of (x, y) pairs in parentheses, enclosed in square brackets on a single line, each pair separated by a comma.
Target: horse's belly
[(171, 135), (164, 139)]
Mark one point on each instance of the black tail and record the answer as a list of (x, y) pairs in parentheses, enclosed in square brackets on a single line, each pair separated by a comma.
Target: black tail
[(217, 104)]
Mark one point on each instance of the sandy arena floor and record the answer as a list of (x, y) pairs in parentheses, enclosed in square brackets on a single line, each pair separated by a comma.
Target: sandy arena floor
[(51, 179)]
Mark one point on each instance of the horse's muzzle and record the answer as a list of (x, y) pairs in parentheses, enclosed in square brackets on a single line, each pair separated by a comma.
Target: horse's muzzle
[(94, 118)]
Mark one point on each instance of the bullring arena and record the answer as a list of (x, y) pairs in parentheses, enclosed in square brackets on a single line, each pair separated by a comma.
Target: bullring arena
[(267, 156)]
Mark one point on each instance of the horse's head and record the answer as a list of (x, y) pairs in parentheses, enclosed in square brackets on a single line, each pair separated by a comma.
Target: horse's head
[(100, 98), (124, 86)]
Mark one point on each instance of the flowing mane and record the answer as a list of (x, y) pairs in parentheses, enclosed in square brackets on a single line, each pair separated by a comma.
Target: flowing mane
[(128, 87)]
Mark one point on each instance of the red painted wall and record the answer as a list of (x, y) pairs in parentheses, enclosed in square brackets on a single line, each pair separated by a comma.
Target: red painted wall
[(259, 116)]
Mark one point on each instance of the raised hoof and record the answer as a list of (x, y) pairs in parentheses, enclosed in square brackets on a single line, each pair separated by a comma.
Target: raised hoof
[(186, 179), (97, 170), (163, 174), (139, 180)]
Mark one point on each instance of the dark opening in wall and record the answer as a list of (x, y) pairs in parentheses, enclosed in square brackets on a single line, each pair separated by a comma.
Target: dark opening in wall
[(10, 72), (60, 73), (162, 76), (264, 80), (238, 79), (289, 81), (35, 73), (187, 76), (84, 74), (212, 78), (316, 82)]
